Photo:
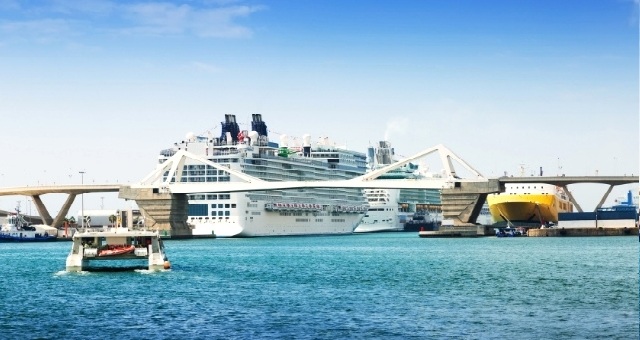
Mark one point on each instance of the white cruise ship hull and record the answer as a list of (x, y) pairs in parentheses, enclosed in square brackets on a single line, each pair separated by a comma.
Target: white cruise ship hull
[(272, 224), (377, 227)]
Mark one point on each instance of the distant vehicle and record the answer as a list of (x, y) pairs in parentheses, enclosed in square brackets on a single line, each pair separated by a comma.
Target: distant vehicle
[(511, 232)]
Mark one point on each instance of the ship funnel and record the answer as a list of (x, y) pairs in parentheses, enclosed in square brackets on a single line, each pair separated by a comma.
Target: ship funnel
[(229, 126), (258, 125), (283, 141), (371, 152), (384, 153), (306, 145)]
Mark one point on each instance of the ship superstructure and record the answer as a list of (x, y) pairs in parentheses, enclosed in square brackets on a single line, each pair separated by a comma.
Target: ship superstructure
[(391, 209), (272, 212)]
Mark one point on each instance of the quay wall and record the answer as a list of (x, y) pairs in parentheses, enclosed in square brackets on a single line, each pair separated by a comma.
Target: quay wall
[(585, 224), (550, 232)]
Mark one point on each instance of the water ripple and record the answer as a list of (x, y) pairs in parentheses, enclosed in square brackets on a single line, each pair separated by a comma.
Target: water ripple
[(392, 286)]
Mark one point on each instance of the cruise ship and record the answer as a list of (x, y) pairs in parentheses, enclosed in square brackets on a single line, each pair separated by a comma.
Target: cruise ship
[(392, 209), (274, 212), (529, 203)]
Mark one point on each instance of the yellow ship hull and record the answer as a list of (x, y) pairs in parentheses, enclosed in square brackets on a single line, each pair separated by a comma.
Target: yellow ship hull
[(540, 208)]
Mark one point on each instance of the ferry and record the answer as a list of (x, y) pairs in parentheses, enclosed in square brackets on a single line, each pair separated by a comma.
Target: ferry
[(121, 244), (393, 209), (529, 203), (316, 211), (17, 229)]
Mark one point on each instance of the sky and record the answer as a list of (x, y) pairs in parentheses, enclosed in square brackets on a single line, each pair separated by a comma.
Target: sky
[(102, 86)]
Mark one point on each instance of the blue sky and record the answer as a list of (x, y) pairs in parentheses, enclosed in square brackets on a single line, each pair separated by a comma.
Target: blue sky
[(102, 86)]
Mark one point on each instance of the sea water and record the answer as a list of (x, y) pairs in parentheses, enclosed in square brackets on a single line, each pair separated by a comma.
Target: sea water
[(387, 285)]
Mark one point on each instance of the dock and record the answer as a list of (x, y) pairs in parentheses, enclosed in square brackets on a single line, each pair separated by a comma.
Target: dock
[(450, 231), (558, 232)]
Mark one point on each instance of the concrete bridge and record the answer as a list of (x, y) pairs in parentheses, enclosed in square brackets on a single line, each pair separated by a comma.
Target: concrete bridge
[(163, 199), (71, 190)]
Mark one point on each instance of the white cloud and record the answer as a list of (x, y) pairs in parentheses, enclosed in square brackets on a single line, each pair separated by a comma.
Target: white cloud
[(84, 6), (204, 67), (40, 27), (217, 19), (166, 18), (220, 23)]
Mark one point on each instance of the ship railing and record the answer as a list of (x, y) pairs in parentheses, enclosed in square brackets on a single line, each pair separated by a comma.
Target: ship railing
[(230, 151)]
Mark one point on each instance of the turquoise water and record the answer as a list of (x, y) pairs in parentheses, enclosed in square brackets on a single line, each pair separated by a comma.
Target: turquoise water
[(391, 285)]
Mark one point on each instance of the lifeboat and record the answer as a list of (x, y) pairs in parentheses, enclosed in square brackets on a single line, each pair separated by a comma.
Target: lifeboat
[(113, 250)]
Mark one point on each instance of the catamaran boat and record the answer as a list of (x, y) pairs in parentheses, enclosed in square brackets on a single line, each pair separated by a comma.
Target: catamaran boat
[(141, 248)]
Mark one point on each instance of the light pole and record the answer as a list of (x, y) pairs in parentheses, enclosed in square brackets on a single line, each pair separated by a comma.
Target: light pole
[(82, 196)]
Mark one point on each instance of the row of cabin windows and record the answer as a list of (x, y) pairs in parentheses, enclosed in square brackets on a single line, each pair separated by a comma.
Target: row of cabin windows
[(203, 210), (232, 206), (213, 218), (201, 170), (209, 197), (201, 167), (186, 179)]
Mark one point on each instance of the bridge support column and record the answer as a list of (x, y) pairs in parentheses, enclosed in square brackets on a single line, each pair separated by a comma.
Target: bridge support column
[(42, 210), (604, 198), (463, 202), (572, 199), (44, 213), (57, 222), (164, 212)]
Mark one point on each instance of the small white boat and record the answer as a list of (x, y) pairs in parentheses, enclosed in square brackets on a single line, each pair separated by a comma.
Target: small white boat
[(117, 244)]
